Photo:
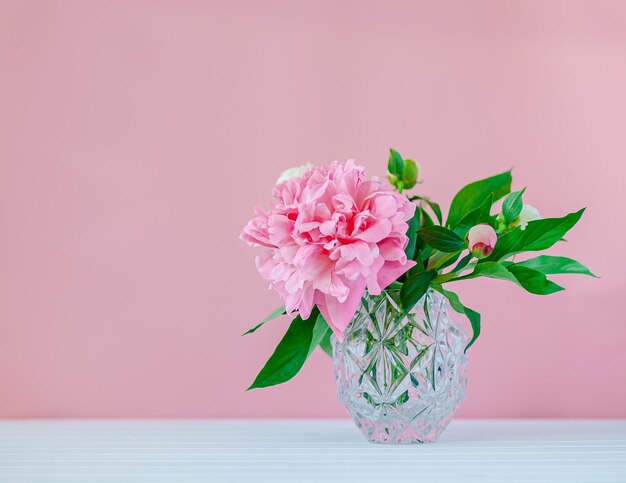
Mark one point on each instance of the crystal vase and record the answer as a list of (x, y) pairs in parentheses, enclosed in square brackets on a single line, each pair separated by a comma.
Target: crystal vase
[(402, 376)]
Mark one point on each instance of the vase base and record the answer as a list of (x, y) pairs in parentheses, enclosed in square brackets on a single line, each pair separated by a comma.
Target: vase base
[(397, 432)]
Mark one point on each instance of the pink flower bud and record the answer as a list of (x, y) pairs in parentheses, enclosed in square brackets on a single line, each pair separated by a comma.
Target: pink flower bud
[(481, 239)]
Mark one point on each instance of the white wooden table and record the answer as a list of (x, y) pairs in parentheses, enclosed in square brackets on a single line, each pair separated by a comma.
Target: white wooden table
[(502, 451)]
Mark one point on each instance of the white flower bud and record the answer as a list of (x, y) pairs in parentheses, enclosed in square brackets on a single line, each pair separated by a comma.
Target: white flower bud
[(528, 213), (296, 172)]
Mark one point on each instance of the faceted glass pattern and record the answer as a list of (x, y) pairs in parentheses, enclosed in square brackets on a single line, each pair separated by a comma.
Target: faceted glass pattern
[(402, 376)]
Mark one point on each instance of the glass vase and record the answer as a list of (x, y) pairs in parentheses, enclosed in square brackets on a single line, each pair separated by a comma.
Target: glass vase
[(402, 376)]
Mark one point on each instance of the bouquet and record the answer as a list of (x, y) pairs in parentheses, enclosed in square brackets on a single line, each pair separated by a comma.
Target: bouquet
[(331, 236)]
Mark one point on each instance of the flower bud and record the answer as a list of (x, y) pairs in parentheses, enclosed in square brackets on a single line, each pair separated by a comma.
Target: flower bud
[(481, 239), (528, 213), (296, 172), (410, 173), (501, 224), (402, 173)]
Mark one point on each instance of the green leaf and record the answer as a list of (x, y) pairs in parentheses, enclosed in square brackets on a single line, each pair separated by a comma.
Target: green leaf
[(548, 264), (425, 254), (538, 235), (436, 209), (512, 206), (473, 195), (426, 219), (412, 234), (533, 280), (462, 263), (491, 270), (395, 165), (415, 287), (419, 244), (482, 214), (276, 313), (395, 285), (290, 354), (325, 343), (319, 332), (441, 238), (472, 315), (529, 279)]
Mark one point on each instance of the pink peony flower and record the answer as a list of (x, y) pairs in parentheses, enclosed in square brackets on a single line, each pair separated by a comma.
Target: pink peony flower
[(328, 236), (481, 239)]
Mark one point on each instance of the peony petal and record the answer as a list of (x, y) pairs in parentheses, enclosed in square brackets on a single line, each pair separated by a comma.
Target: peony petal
[(392, 270), (327, 228), (295, 282), (384, 205), (391, 249), (265, 264), (373, 286), (351, 269), (280, 229), (306, 303), (338, 314), (377, 231), (337, 288), (306, 253), (256, 232), (291, 301)]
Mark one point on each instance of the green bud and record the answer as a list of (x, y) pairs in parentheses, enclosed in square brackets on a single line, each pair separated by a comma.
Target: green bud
[(410, 173), (395, 182), (501, 224), (402, 173)]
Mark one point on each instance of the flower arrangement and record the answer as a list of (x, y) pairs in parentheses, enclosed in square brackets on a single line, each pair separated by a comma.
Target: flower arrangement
[(331, 236)]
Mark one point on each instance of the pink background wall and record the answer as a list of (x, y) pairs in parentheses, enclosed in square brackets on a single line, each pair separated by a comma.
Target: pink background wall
[(136, 137)]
